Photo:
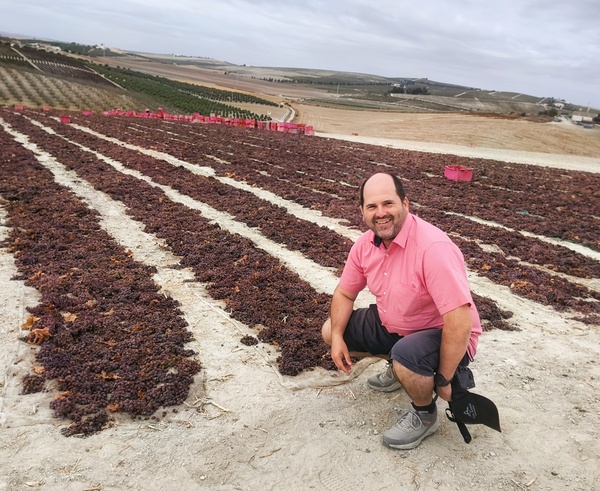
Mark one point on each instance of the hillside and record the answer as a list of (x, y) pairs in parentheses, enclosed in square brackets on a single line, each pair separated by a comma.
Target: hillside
[(39, 78), (337, 89), (348, 104), (332, 88)]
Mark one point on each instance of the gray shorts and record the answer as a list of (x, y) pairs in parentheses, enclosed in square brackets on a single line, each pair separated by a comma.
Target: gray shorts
[(419, 351)]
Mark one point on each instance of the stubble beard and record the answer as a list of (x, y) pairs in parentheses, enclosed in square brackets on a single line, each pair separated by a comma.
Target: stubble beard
[(390, 230)]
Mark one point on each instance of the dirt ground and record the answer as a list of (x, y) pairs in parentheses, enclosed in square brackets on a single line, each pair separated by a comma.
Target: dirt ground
[(478, 133), (245, 427)]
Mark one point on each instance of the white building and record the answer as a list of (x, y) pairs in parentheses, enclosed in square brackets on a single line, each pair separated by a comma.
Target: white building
[(583, 117)]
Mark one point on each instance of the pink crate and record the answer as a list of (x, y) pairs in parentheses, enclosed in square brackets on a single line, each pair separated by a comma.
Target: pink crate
[(458, 173), (65, 119)]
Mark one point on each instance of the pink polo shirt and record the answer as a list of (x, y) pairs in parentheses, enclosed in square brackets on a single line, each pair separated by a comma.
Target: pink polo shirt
[(420, 277)]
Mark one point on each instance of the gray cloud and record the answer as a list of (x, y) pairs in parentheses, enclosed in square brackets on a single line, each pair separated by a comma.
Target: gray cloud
[(539, 47)]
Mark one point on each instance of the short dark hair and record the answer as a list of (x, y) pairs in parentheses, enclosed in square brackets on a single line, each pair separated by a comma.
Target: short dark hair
[(397, 184)]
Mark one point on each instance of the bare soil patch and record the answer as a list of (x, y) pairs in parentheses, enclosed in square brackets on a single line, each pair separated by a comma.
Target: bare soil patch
[(456, 129)]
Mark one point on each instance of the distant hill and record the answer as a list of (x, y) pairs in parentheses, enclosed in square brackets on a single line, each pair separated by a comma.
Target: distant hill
[(343, 89), (29, 67)]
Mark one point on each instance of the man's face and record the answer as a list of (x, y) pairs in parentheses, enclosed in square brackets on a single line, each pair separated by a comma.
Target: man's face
[(383, 211)]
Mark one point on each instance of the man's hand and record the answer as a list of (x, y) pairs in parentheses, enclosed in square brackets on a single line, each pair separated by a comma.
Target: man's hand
[(340, 355), (342, 304)]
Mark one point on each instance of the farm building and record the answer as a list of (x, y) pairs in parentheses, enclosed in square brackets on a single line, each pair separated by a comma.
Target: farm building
[(583, 117)]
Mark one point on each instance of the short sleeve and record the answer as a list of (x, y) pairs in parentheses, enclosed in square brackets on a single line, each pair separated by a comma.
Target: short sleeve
[(445, 276), (353, 277)]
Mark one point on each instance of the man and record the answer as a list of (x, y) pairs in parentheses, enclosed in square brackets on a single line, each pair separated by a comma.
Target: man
[(424, 320)]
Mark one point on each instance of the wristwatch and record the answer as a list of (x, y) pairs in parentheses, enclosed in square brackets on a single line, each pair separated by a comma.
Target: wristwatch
[(440, 381)]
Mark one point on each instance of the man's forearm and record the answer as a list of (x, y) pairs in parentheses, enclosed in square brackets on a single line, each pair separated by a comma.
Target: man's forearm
[(342, 305), (455, 340)]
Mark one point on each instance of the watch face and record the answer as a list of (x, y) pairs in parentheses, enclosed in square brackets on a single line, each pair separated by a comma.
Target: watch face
[(440, 380)]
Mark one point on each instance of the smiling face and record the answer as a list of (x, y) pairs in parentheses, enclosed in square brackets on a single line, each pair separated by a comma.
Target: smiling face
[(383, 210)]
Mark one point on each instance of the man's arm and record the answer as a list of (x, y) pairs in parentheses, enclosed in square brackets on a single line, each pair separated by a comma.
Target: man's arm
[(455, 340), (342, 305)]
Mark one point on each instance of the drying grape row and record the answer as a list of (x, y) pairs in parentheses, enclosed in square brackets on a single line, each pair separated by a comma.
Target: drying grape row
[(109, 341), (108, 338), (330, 186)]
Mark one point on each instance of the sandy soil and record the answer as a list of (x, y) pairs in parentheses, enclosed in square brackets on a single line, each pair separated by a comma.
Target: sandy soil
[(479, 133), (245, 427)]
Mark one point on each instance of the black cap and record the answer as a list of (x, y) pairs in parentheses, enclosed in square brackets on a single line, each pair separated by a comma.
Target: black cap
[(469, 408)]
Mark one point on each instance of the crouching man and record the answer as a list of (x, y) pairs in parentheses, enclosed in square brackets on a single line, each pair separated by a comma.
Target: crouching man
[(424, 321)]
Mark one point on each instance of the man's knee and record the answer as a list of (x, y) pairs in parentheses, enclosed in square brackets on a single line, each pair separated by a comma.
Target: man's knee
[(326, 332), (419, 352), (408, 373)]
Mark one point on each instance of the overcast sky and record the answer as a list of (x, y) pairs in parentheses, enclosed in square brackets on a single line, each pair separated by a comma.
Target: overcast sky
[(546, 48)]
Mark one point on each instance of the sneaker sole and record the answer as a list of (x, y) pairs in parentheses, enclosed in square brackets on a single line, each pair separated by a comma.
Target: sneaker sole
[(389, 388), (409, 446)]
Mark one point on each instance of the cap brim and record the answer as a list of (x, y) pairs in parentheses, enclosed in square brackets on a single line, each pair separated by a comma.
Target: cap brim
[(475, 409)]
